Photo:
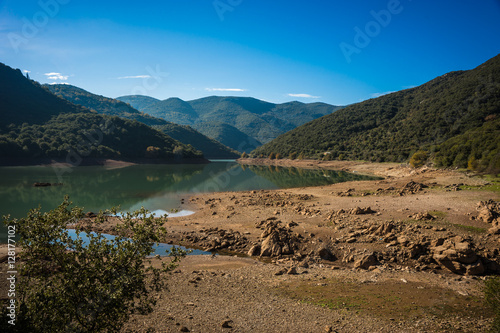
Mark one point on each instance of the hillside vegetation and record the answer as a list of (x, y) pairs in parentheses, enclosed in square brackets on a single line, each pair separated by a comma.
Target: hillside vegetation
[(453, 118), (109, 106), (36, 124), (25, 101), (262, 121)]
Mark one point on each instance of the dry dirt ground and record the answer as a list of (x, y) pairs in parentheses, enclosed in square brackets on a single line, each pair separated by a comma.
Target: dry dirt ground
[(415, 261)]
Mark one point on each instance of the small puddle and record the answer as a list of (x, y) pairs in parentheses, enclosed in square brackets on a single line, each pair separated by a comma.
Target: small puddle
[(158, 249)]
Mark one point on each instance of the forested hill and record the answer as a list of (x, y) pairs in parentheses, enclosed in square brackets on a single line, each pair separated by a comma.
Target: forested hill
[(37, 125), (432, 117), (262, 121), (109, 106), (16, 108)]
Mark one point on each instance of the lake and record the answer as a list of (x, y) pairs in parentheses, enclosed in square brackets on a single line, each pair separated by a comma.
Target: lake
[(158, 188)]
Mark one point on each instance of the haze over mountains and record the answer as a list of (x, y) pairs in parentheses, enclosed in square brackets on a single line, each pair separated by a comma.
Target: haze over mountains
[(224, 118), (454, 118)]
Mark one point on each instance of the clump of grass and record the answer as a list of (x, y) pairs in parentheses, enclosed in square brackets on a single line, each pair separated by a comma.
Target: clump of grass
[(476, 230), (492, 297), (438, 214)]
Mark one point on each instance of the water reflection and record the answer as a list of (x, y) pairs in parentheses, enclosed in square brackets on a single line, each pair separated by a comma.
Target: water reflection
[(156, 187)]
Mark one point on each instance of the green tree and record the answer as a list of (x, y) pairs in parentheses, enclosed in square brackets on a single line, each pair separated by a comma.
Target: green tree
[(85, 286), (292, 155), (244, 155), (272, 156)]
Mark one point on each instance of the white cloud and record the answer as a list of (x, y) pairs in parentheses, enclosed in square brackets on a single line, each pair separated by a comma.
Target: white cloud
[(26, 71), (52, 83), (56, 76), (303, 96), (375, 95), (225, 89), (134, 77)]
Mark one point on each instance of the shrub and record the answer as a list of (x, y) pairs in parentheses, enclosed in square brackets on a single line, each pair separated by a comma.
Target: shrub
[(292, 156), (418, 159), (272, 156), (80, 286), (244, 155)]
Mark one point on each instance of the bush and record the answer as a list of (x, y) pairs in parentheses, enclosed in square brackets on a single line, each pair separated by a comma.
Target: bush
[(418, 159), (82, 286), (492, 295), (272, 156), (244, 155), (292, 156)]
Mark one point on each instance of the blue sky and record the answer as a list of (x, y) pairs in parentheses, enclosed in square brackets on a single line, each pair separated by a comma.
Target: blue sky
[(338, 52)]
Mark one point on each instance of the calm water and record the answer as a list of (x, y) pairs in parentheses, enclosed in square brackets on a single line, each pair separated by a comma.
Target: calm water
[(156, 187)]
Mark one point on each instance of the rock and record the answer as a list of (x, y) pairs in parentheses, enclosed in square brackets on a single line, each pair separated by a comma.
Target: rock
[(325, 253), (411, 188), (226, 324), (457, 255), (366, 261), (494, 230), (254, 251), (292, 271), (184, 329), (489, 211), (280, 272), (361, 211), (476, 268), (422, 216)]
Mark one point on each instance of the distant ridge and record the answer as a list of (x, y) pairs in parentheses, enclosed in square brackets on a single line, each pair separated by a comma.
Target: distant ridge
[(256, 119), (436, 117)]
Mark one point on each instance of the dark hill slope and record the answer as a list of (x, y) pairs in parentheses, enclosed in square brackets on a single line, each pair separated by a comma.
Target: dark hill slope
[(392, 127), (109, 106), (16, 108), (87, 135)]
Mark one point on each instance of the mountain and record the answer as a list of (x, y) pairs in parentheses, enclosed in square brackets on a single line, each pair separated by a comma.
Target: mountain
[(38, 125), (228, 135), (139, 102), (260, 120), (108, 106), (433, 117), (23, 100)]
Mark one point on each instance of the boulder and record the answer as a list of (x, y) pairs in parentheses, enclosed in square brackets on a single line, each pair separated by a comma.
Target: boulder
[(324, 253), (254, 251), (366, 261)]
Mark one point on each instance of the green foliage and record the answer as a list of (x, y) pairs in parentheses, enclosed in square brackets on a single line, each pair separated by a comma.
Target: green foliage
[(292, 156), (492, 296), (393, 126), (244, 155), (88, 135), (418, 159), (476, 149), (272, 156), (113, 107), (211, 148), (67, 284), (278, 156)]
